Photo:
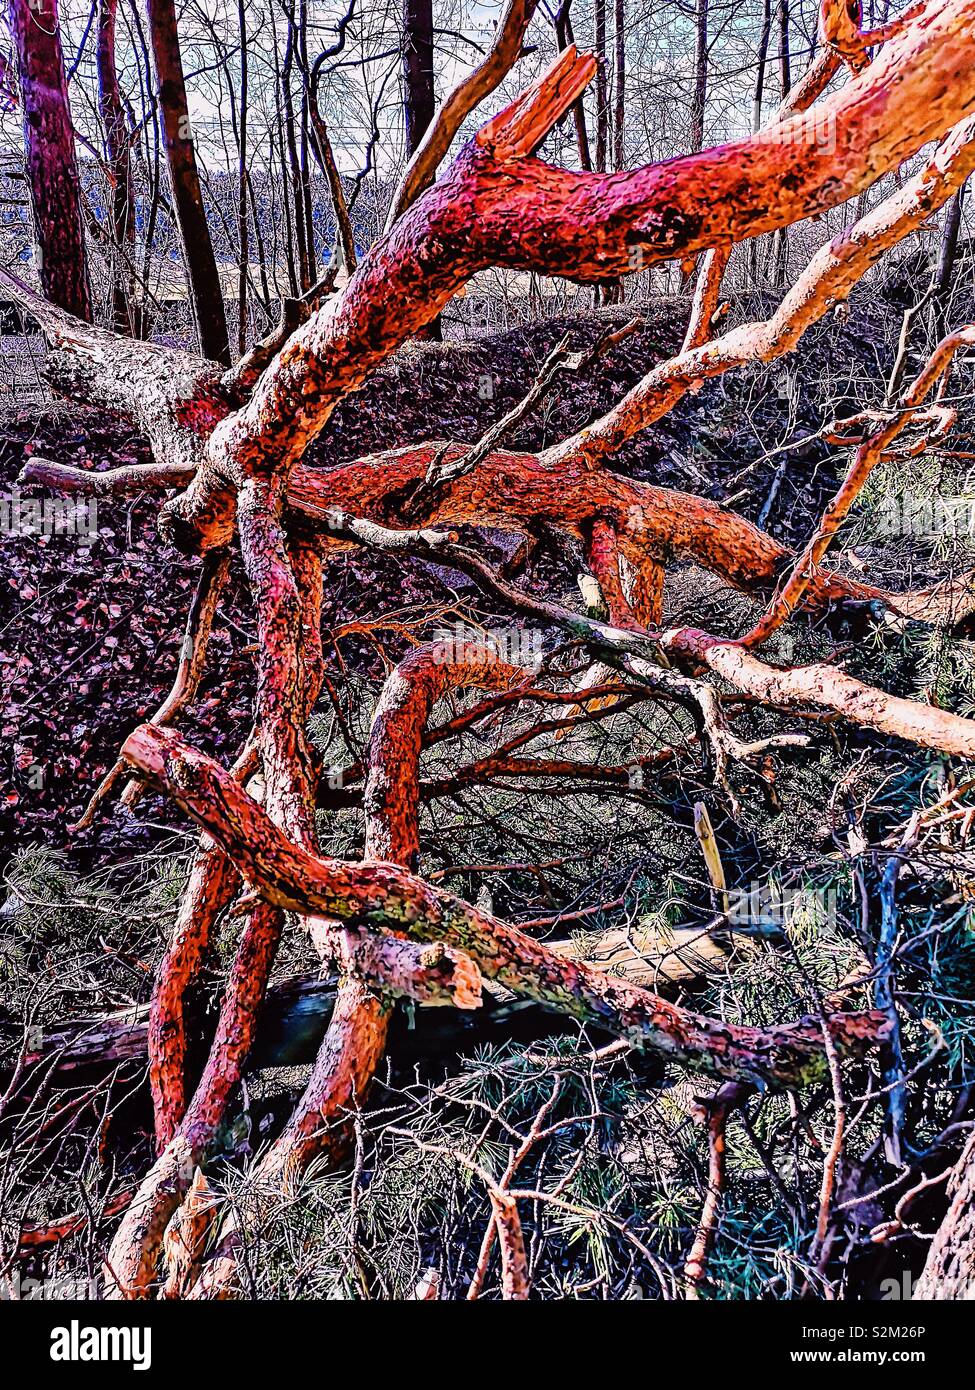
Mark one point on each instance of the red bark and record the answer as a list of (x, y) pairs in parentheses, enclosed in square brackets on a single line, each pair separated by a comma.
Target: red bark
[(51, 166)]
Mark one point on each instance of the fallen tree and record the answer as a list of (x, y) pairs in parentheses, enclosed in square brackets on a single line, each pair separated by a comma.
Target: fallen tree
[(233, 447)]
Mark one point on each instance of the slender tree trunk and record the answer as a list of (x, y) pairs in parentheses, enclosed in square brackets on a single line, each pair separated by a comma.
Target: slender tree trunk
[(278, 148), (619, 92), (51, 167), (418, 88), (763, 47), (419, 94), (243, 224), (344, 235), (125, 314), (762, 60), (781, 239), (201, 263), (785, 53), (602, 91), (602, 294), (152, 171), (946, 263), (304, 150), (700, 97), (294, 164), (564, 37)]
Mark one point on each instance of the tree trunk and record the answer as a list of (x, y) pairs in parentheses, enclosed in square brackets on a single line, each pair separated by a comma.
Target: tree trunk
[(946, 263), (762, 59), (602, 90), (619, 94), (52, 170), (191, 218), (700, 97), (304, 149), (785, 53), (279, 150), (243, 225), (125, 311), (292, 1024), (564, 37), (780, 245), (419, 96), (418, 89), (294, 162)]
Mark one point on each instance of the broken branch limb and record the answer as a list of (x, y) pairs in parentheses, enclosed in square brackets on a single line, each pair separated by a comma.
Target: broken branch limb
[(827, 280), (828, 688), (465, 98)]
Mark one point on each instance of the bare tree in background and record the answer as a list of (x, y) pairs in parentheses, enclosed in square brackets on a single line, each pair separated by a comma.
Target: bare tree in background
[(780, 242), (700, 95), (946, 262), (619, 85), (419, 98), (765, 36), (188, 205), (602, 85), (125, 309), (51, 166), (564, 37)]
